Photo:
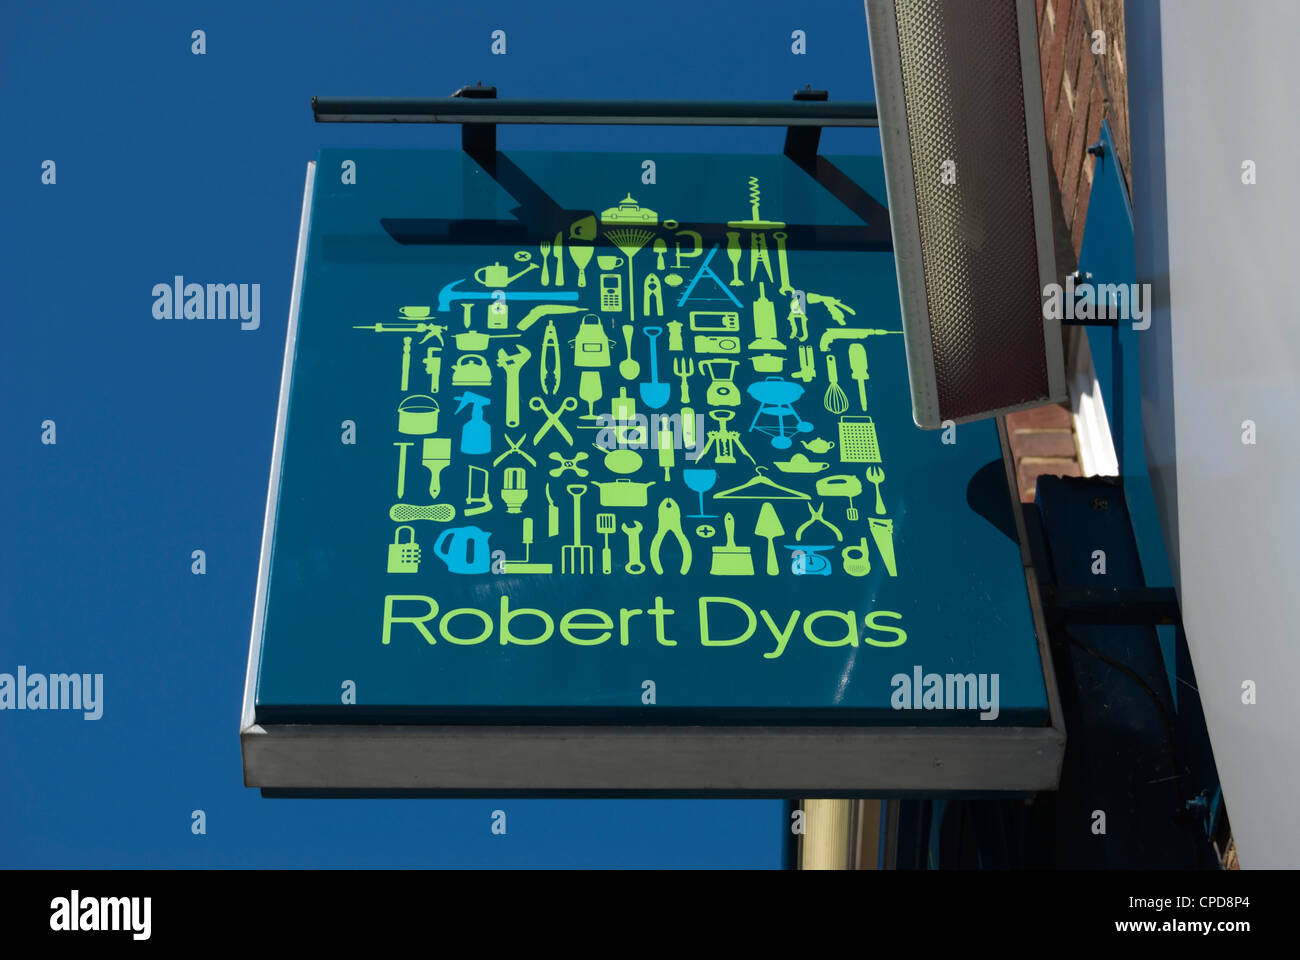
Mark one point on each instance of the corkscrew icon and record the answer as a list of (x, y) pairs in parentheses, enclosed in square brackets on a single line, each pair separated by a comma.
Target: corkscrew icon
[(755, 223)]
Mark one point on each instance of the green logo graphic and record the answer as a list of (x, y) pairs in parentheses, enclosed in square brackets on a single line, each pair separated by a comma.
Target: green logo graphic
[(755, 376)]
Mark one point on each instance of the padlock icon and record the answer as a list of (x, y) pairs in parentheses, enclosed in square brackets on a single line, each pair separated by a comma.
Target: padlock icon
[(404, 555)]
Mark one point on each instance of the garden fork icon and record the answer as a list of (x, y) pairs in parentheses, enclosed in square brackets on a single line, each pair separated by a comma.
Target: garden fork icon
[(684, 368), (876, 476)]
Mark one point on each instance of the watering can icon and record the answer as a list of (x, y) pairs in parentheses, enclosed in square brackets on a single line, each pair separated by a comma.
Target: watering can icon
[(498, 275)]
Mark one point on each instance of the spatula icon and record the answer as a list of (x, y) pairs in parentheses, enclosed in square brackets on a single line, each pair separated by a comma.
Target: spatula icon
[(769, 527)]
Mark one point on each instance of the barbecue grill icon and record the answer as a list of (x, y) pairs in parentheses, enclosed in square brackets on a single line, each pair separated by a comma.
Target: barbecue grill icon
[(775, 398)]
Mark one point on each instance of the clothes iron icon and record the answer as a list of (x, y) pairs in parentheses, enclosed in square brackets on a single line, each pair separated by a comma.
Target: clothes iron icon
[(583, 229)]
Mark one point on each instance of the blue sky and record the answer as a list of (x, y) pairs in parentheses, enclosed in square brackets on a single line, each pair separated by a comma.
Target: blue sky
[(170, 163)]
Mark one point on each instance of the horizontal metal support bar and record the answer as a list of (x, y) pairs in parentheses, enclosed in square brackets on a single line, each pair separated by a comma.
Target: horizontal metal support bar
[(1112, 605), (714, 113)]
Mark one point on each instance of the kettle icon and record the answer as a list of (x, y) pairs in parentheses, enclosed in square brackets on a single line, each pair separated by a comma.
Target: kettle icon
[(465, 551)]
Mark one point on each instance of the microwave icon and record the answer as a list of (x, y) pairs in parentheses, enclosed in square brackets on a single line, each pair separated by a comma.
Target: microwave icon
[(715, 321)]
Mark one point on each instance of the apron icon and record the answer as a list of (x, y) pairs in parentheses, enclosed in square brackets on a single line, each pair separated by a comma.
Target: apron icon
[(591, 345)]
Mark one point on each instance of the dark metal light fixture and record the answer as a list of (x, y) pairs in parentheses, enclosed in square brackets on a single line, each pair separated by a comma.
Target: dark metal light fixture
[(961, 126)]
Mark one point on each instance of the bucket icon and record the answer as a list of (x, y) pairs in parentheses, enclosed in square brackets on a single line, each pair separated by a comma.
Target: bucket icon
[(417, 415)]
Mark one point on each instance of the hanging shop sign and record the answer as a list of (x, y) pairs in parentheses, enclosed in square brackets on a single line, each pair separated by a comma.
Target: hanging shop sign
[(570, 466)]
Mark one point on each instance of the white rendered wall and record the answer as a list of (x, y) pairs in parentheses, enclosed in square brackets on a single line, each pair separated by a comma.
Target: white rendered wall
[(1216, 83)]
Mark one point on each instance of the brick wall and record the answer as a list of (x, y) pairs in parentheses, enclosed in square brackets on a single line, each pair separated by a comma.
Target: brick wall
[(1080, 89)]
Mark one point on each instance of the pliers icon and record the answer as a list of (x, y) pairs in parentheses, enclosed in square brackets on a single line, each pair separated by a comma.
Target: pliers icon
[(670, 521), (818, 518)]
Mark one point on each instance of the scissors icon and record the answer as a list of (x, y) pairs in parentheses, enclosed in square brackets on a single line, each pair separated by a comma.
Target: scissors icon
[(553, 418)]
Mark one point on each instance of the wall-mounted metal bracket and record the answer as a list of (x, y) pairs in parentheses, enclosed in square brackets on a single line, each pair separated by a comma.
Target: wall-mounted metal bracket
[(801, 142), (1149, 606), (1094, 321), (479, 140)]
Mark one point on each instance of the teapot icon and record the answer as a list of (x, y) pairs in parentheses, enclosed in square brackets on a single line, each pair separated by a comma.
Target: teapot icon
[(498, 274), (818, 445)]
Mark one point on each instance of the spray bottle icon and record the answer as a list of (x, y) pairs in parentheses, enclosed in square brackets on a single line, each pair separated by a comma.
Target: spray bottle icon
[(476, 434)]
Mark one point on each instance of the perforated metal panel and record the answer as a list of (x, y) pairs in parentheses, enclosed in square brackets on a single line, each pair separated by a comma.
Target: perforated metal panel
[(974, 241)]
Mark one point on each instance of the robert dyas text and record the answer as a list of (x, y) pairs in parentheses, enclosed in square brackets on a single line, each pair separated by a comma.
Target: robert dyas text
[(591, 627)]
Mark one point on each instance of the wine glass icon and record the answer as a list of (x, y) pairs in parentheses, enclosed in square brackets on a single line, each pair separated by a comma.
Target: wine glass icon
[(700, 481), (589, 389)]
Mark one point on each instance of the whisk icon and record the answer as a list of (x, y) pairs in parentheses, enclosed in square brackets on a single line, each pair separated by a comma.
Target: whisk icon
[(836, 401)]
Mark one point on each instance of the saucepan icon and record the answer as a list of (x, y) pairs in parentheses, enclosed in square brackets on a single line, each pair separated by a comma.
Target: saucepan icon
[(624, 493), (471, 341)]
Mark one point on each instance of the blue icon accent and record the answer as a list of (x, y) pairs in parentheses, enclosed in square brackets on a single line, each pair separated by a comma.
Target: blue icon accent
[(466, 550), (706, 271), (776, 399), (476, 435), (655, 393), (806, 560)]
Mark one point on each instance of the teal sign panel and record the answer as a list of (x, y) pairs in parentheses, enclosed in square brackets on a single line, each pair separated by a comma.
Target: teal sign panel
[(581, 438)]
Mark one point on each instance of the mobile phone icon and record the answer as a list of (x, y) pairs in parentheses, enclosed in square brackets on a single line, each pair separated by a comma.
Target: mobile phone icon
[(611, 292)]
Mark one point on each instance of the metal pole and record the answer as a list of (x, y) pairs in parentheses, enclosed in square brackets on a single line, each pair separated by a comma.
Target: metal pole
[(828, 838)]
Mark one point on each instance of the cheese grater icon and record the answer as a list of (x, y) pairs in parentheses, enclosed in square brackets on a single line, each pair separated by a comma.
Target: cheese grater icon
[(858, 440)]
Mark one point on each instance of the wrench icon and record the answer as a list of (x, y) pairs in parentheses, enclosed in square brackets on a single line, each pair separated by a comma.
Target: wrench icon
[(634, 564), (511, 363)]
